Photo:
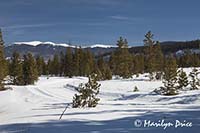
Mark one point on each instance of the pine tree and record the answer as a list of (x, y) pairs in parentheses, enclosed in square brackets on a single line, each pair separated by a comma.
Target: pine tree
[(49, 67), (69, 63), (138, 64), (44, 68), (3, 67), (104, 69), (88, 63), (40, 65), (30, 73), (195, 82), (149, 52), (62, 64), (170, 76), (112, 63), (81, 62), (122, 60), (108, 73), (87, 93), (159, 58), (182, 79), (55, 66), (98, 72), (153, 55), (16, 71), (76, 62)]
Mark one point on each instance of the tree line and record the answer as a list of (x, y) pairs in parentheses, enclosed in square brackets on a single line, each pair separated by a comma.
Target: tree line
[(25, 69)]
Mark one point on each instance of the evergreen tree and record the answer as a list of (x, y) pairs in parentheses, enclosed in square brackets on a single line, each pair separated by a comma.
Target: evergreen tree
[(44, 68), (40, 65), (195, 82), (195, 60), (159, 58), (88, 63), (30, 73), (76, 62), (122, 60), (182, 79), (3, 67), (55, 66), (16, 71), (69, 63), (149, 53), (104, 70), (108, 73), (62, 64), (138, 64), (153, 55), (98, 72), (81, 62), (87, 93), (49, 67), (170, 76), (112, 63)]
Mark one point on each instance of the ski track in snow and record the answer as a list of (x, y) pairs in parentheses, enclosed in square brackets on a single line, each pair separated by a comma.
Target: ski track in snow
[(37, 108)]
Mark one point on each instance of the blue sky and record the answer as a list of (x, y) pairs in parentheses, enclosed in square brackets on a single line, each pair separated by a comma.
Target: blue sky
[(99, 21)]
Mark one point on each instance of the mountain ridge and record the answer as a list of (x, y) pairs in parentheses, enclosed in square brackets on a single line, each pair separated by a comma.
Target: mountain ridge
[(36, 43), (48, 49)]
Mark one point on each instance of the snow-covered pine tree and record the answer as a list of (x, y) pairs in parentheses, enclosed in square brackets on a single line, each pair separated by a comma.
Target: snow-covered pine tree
[(87, 93), (195, 81), (170, 76), (182, 79)]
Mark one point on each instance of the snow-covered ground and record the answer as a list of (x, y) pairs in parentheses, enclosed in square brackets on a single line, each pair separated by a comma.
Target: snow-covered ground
[(37, 108)]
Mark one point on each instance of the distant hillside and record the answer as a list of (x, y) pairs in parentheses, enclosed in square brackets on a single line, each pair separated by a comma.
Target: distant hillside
[(171, 47), (48, 49)]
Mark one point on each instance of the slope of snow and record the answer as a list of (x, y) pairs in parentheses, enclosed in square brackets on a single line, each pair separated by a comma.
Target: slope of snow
[(37, 108)]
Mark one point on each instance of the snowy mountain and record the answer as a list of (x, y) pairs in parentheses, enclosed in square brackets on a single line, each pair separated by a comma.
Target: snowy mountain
[(48, 49), (36, 43), (100, 46)]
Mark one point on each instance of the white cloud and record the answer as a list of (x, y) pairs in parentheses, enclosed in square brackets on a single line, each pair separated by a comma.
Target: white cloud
[(118, 17), (26, 26)]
